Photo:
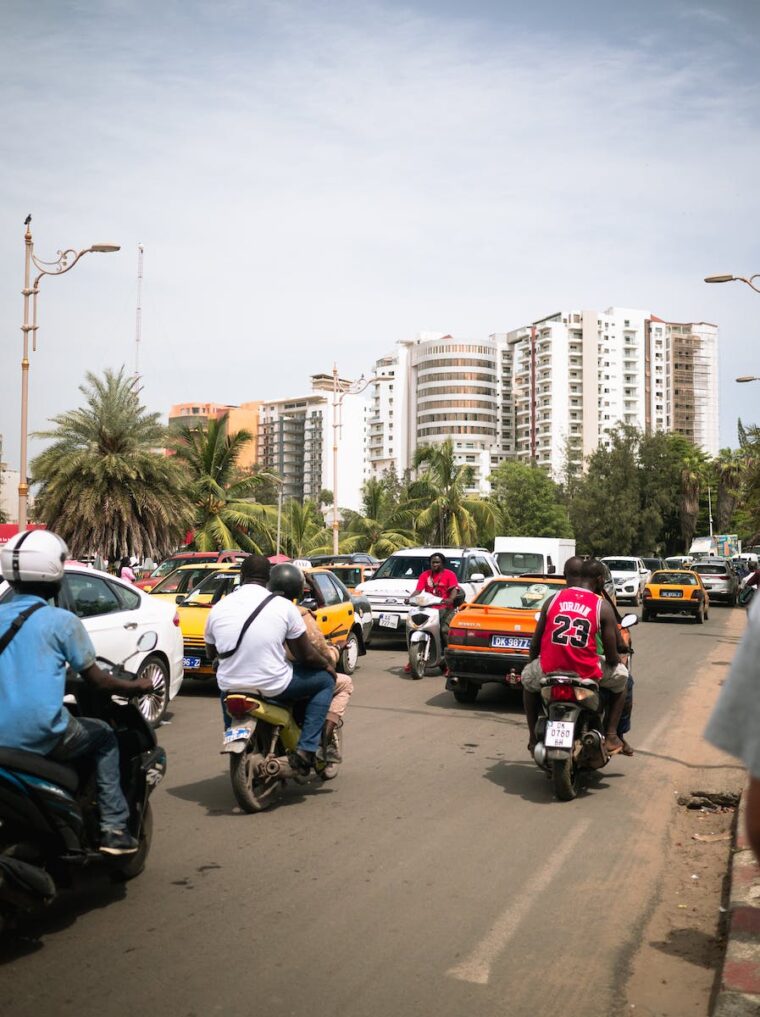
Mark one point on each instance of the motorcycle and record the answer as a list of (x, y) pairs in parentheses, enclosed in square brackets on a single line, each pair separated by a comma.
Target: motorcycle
[(746, 592), (49, 828), (258, 740), (570, 731), (423, 633)]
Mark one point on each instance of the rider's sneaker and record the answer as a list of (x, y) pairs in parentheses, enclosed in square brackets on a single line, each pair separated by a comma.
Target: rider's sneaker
[(118, 842), (407, 668), (332, 749)]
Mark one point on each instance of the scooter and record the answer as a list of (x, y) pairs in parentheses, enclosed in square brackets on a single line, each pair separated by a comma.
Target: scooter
[(49, 828), (570, 731), (423, 634), (260, 735)]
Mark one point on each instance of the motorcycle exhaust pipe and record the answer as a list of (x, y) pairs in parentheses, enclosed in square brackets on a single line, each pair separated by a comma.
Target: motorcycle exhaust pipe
[(278, 766), (594, 753), (539, 754)]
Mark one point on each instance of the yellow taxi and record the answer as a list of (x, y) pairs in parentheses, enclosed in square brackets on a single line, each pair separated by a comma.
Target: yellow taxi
[(675, 591), (351, 574), (324, 595), (182, 581), (489, 638)]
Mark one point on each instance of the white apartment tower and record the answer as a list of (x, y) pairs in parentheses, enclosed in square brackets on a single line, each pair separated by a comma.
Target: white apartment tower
[(438, 387)]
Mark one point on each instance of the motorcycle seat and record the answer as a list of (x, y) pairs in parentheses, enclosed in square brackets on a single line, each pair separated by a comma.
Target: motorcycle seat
[(40, 766)]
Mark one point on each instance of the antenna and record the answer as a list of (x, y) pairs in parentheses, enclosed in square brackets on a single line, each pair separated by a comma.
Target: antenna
[(138, 317)]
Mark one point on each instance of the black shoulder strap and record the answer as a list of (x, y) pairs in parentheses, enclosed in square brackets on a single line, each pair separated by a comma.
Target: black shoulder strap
[(17, 623), (249, 620)]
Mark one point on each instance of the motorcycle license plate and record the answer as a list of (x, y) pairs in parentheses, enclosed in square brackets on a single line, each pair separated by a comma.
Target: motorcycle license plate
[(559, 734), (389, 621), (191, 662), (510, 642), (236, 734)]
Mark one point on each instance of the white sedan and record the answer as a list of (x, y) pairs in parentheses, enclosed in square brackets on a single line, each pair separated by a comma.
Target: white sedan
[(115, 614)]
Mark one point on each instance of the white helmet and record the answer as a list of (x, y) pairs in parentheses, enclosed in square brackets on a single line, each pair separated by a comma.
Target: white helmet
[(34, 556)]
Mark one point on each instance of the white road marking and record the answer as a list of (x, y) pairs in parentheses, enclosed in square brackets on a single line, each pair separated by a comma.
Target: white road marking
[(477, 967)]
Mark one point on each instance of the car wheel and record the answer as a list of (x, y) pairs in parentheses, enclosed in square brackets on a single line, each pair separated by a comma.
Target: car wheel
[(637, 599), (153, 704), (645, 615), (349, 655), (466, 692)]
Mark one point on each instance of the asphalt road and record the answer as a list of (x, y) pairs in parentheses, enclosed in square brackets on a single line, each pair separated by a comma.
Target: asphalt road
[(435, 875)]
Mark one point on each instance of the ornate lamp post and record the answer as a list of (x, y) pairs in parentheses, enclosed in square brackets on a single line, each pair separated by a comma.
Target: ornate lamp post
[(64, 263), (340, 390), (735, 278)]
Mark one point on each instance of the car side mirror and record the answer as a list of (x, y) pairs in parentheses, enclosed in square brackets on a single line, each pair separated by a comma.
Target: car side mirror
[(310, 603), (477, 577), (551, 570), (180, 601)]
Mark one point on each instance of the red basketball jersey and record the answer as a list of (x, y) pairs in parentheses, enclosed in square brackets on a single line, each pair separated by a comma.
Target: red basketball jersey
[(569, 639)]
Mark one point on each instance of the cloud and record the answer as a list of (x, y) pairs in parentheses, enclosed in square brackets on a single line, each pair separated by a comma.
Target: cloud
[(312, 185)]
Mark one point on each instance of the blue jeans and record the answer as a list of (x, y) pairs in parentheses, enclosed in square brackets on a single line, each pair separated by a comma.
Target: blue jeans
[(86, 736), (317, 688)]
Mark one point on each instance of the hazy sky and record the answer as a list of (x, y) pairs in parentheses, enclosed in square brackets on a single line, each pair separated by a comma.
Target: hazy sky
[(314, 181)]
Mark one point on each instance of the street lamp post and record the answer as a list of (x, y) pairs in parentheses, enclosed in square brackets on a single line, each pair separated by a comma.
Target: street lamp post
[(340, 390), (734, 278), (64, 263)]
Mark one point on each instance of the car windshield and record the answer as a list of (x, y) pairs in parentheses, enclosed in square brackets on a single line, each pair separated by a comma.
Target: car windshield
[(621, 564), (674, 579), (180, 580), (408, 567), (710, 570), (652, 563), (514, 563), (528, 594), (174, 563), (212, 589), (348, 576)]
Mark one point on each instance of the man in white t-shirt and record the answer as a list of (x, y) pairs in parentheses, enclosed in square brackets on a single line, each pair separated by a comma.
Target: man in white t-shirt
[(259, 663), (734, 725)]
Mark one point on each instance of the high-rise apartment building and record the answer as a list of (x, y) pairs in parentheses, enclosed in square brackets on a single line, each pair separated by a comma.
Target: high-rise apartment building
[(438, 387), (296, 440), (544, 391), (239, 418)]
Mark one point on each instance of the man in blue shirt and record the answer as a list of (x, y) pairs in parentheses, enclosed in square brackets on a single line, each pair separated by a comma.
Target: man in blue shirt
[(33, 678)]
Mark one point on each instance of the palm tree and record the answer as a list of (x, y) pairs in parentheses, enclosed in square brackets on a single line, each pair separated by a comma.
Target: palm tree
[(305, 532), (692, 474), (730, 466), (226, 512), (382, 527), (446, 512), (105, 487)]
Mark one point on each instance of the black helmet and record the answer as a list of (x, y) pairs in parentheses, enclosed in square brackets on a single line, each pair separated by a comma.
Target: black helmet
[(287, 580)]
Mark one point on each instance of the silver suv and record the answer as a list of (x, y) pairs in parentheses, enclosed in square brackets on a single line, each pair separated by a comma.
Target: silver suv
[(719, 579), (390, 587)]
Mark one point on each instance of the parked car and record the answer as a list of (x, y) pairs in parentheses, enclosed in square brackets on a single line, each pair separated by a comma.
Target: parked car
[(654, 564), (489, 639), (719, 579), (675, 591), (324, 594), (187, 558), (679, 561), (389, 589), (355, 558), (351, 574), (115, 615), (630, 575)]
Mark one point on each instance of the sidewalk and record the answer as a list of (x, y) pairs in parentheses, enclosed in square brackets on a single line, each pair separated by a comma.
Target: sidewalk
[(739, 994)]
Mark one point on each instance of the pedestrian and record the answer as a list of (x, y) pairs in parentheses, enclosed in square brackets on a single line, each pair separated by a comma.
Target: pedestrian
[(125, 570), (734, 725)]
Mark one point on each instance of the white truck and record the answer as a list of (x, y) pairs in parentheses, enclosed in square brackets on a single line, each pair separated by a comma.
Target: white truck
[(544, 555)]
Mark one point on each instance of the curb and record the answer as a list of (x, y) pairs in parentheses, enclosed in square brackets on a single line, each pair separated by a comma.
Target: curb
[(739, 993)]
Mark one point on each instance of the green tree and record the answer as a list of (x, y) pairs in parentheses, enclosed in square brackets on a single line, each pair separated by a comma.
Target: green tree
[(528, 502), (382, 526), (693, 470), (447, 511), (304, 530), (227, 513), (728, 469), (104, 487)]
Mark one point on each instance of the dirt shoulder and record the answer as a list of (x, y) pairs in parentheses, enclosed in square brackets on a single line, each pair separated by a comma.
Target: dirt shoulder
[(677, 966)]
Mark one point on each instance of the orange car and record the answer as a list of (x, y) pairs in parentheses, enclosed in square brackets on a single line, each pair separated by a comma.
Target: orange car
[(489, 639)]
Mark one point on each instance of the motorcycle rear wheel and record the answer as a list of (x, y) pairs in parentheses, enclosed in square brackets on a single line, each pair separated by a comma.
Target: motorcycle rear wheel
[(135, 863), (252, 792), (565, 779), (417, 660)]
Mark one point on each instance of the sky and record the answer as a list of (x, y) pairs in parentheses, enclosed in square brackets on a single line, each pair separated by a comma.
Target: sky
[(314, 181)]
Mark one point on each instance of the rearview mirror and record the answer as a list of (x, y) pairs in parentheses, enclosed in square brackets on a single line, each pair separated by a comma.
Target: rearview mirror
[(629, 620)]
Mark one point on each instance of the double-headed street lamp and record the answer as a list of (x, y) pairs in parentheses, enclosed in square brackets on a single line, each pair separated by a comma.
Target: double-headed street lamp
[(340, 390), (64, 263)]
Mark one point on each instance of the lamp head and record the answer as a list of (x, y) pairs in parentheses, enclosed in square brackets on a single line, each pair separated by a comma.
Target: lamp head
[(746, 377), (719, 278), (105, 248)]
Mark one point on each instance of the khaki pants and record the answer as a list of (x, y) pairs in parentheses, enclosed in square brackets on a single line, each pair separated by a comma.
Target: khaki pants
[(613, 678)]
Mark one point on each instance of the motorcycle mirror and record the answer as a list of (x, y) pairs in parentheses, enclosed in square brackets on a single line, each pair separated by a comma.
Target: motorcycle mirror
[(148, 641), (629, 620)]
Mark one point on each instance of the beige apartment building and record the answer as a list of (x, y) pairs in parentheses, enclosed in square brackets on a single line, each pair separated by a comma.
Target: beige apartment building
[(244, 417)]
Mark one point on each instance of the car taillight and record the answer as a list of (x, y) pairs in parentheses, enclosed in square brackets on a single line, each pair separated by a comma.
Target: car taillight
[(696, 594), (647, 592), (563, 693), (457, 636), (176, 618)]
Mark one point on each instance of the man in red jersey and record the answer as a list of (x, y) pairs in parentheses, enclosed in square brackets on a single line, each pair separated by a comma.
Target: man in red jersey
[(566, 640), (440, 582)]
